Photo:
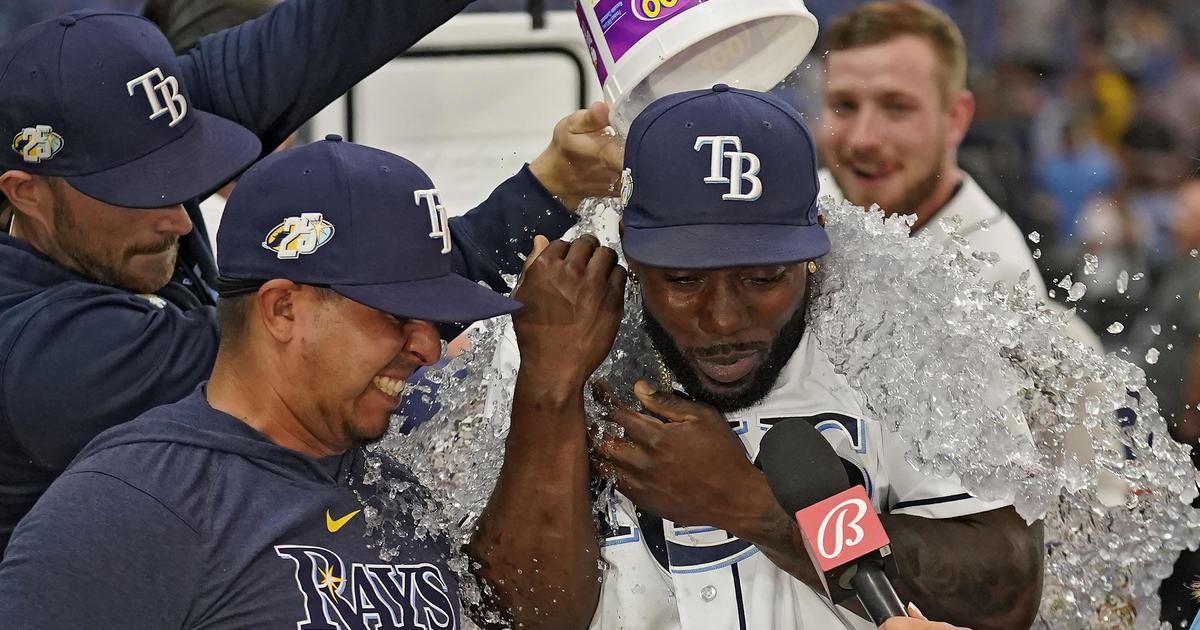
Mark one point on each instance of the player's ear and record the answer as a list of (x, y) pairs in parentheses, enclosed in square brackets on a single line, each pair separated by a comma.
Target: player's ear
[(31, 196), (959, 113), (275, 306)]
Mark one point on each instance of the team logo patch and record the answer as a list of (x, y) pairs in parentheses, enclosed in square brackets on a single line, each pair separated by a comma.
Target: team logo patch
[(743, 167), (439, 223), (626, 186), (298, 235), (162, 94), (37, 144)]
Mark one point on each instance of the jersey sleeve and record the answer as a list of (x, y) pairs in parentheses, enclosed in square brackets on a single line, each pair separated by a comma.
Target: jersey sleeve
[(493, 238), (85, 363), (273, 73), (97, 553), (914, 493)]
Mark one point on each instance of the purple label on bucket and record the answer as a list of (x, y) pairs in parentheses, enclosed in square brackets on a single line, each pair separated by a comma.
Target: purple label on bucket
[(597, 63), (624, 22)]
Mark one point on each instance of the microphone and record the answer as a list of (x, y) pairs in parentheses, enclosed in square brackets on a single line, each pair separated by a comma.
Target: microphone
[(842, 534)]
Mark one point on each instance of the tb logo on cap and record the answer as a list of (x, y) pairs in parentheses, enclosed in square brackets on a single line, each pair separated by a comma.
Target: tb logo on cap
[(167, 88), (743, 167), (438, 222)]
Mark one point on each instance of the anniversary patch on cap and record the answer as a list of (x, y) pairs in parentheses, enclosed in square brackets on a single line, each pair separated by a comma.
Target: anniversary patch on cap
[(37, 144), (298, 235)]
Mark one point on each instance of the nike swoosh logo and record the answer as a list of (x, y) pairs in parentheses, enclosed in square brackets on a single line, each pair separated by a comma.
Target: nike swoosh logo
[(333, 525)]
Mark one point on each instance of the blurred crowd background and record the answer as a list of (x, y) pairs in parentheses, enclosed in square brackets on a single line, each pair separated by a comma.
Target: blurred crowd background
[(1087, 131)]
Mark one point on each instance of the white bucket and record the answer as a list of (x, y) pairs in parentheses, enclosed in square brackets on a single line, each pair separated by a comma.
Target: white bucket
[(646, 49)]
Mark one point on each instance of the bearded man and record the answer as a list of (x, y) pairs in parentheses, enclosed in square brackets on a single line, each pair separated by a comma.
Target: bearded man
[(721, 230)]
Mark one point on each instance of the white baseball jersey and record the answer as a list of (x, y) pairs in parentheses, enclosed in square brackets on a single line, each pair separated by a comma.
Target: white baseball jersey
[(714, 581)]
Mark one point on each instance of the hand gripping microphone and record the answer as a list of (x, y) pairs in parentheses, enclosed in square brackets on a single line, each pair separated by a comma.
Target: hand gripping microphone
[(843, 535)]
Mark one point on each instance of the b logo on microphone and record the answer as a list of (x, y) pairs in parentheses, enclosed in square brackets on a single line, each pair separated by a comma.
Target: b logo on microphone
[(841, 528), (832, 540)]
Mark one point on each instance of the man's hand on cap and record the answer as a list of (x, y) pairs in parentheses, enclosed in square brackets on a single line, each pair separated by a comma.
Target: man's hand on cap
[(584, 158), (573, 297)]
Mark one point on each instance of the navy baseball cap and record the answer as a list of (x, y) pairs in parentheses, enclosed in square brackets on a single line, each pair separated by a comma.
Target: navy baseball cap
[(720, 177), (364, 222), (97, 98)]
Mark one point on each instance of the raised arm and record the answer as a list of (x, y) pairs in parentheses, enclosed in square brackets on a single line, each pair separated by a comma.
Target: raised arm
[(536, 542), (273, 73), (582, 160)]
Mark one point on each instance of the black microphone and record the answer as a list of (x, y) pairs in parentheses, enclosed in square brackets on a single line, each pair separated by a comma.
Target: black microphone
[(807, 477)]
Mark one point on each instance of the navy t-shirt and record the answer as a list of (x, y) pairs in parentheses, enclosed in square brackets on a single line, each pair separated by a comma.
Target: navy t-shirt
[(189, 518)]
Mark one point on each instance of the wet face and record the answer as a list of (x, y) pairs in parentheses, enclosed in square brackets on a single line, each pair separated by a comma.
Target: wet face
[(354, 361), (129, 248), (726, 334), (885, 131)]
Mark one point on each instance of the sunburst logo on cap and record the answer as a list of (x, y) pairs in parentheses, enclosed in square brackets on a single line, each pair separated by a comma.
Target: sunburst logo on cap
[(298, 235), (626, 186), (37, 144)]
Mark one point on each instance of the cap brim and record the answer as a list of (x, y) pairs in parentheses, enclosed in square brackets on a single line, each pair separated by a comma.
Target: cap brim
[(449, 298), (210, 154), (715, 246)]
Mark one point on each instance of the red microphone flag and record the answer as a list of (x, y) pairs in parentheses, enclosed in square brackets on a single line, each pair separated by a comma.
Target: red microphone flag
[(841, 529)]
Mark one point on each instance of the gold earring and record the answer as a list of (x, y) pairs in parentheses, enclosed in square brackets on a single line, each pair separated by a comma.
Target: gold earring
[(812, 267)]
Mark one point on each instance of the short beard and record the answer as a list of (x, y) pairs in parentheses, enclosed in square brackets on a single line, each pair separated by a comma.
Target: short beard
[(74, 251), (911, 198), (758, 383), (918, 192)]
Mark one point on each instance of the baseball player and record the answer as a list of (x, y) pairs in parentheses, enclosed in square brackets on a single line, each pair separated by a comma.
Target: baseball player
[(239, 506), (107, 280), (721, 231)]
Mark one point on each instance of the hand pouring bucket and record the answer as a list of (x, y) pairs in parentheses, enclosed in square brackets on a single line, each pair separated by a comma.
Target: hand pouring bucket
[(646, 49)]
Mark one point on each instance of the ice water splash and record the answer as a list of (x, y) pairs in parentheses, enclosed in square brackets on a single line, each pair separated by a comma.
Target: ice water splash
[(457, 449), (959, 368), (982, 380)]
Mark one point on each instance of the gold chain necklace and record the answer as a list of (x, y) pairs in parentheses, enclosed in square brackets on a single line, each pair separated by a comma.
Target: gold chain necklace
[(666, 380)]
